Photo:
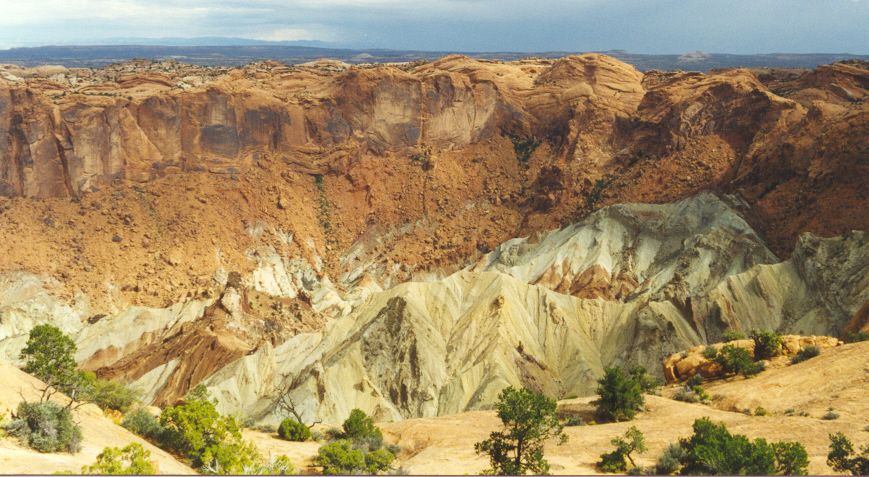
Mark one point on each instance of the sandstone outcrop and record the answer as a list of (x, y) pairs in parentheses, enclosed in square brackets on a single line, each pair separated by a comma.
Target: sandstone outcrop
[(684, 365)]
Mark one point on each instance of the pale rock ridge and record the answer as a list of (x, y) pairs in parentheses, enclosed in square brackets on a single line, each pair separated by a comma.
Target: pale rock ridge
[(26, 301), (815, 292), (434, 348), (426, 349), (633, 251)]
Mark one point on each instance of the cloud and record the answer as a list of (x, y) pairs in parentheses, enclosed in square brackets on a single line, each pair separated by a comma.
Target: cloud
[(295, 34), (643, 26)]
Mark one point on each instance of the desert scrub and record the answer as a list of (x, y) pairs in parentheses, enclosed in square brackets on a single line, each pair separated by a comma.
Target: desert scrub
[(856, 337), (806, 353), (731, 335), (142, 423), (131, 460), (710, 352), (46, 427)]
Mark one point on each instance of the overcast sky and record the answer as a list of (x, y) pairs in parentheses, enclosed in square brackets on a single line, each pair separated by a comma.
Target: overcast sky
[(638, 26)]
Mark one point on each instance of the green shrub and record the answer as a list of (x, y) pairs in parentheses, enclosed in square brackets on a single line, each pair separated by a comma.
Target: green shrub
[(686, 395), (378, 460), (368, 443), (806, 353), (696, 380), (648, 384), (47, 427), (142, 423), (211, 442), (620, 397), (843, 458), (334, 434), (338, 458), (393, 449), (278, 466), (612, 462), (731, 335), (359, 425), (766, 344), (736, 360), (670, 460), (293, 431), (759, 411), (830, 416), (574, 421), (710, 352), (712, 450), (111, 395), (692, 394), (856, 337), (131, 460)]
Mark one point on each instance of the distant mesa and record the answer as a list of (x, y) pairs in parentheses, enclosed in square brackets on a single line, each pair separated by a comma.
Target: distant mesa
[(694, 57)]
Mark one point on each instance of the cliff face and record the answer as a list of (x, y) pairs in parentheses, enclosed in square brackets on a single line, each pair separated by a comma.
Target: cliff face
[(129, 194)]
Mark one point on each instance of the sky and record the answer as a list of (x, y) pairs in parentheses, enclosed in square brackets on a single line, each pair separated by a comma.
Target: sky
[(637, 26)]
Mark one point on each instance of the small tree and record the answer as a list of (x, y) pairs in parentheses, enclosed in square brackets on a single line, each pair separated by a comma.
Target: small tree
[(131, 460), (843, 458), (615, 461), (736, 360), (529, 420), (620, 397), (210, 441), (48, 354), (766, 344)]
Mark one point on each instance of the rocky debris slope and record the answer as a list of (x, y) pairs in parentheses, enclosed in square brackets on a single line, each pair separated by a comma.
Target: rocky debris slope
[(400, 171)]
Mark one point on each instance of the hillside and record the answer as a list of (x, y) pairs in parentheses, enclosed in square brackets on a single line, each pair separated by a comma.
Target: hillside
[(444, 445), (410, 238)]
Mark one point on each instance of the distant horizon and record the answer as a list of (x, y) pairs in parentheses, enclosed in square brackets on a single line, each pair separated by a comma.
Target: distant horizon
[(220, 42), (655, 27)]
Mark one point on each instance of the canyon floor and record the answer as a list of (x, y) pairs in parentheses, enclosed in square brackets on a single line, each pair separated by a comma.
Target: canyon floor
[(838, 379)]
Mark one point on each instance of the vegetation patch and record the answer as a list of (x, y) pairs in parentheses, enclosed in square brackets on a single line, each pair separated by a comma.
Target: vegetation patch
[(131, 460), (524, 148), (633, 441), (46, 427), (620, 396), (806, 353), (843, 457), (529, 421), (712, 450)]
